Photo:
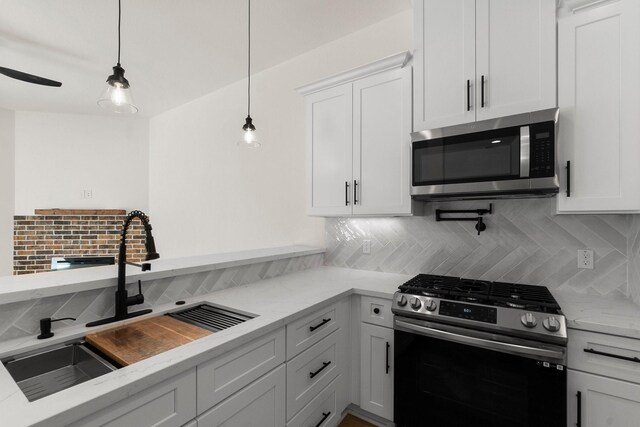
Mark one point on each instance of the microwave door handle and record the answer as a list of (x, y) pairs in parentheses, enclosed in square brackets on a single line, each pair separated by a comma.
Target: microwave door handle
[(525, 151)]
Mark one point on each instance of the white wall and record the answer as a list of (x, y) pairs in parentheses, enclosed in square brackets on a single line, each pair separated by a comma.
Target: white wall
[(7, 125), (207, 195), (58, 156)]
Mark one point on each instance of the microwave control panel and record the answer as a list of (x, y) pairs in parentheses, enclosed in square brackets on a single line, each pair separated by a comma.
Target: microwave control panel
[(542, 156)]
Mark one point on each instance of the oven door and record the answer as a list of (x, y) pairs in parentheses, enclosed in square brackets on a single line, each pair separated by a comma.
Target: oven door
[(448, 376), (489, 160)]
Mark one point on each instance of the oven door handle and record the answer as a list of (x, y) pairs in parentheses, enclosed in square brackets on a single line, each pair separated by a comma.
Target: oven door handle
[(503, 347)]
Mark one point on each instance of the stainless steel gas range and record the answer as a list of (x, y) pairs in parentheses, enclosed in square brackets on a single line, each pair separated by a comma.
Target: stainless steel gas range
[(478, 353)]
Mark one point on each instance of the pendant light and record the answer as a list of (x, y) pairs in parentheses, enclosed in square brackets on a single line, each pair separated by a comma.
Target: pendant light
[(249, 130), (116, 96)]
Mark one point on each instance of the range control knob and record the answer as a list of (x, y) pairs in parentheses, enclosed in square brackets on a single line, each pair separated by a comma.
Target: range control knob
[(431, 305), (529, 320), (402, 301), (415, 303), (551, 324)]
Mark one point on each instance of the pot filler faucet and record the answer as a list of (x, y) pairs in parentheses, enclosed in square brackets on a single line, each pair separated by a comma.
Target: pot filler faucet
[(122, 300)]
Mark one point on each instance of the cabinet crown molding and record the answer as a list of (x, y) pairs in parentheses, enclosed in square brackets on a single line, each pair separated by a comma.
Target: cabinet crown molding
[(398, 60)]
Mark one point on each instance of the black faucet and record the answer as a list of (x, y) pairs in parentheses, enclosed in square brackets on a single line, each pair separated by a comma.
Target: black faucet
[(123, 301)]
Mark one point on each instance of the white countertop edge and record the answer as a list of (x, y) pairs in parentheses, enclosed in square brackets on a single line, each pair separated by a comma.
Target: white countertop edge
[(33, 286)]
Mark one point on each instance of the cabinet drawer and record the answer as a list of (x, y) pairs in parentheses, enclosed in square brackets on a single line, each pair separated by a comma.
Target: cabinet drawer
[(376, 311), (604, 355), (223, 376), (305, 332), (259, 404), (313, 370), (169, 404), (321, 411)]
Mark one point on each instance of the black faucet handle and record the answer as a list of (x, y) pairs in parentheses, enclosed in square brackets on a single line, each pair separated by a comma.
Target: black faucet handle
[(45, 326), (136, 299)]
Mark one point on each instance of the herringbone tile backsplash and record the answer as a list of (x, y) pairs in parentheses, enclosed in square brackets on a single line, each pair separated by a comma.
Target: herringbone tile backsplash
[(21, 319), (525, 242)]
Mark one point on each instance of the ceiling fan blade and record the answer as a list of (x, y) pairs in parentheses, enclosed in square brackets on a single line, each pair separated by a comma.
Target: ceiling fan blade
[(29, 78)]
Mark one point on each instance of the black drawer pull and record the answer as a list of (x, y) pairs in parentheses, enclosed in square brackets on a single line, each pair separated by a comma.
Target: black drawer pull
[(468, 95), (325, 415), (579, 410), (324, 365), (313, 328), (387, 362), (568, 178), (615, 356)]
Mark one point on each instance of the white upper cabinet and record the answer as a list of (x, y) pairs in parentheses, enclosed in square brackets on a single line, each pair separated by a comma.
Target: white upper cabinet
[(516, 56), (382, 117), (329, 165), (358, 141), (482, 59), (598, 96), (444, 63)]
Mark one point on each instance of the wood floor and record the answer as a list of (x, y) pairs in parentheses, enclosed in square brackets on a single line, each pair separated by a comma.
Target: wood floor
[(351, 421)]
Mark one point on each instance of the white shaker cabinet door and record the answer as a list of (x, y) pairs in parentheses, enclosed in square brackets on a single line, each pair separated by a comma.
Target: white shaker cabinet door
[(597, 401), (599, 100), (329, 148), (444, 58), (260, 404), (515, 57), (376, 370), (382, 149)]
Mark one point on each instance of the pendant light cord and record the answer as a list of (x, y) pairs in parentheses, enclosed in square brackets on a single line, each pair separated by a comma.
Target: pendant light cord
[(119, 21), (249, 60)]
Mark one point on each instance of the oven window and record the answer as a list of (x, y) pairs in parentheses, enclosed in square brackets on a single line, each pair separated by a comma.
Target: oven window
[(447, 384), (482, 156)]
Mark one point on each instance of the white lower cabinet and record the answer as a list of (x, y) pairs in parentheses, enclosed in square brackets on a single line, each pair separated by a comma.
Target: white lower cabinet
[(376, 370), (225, 375), (171, 403), (324, 410), (597, 401), (261, 404)]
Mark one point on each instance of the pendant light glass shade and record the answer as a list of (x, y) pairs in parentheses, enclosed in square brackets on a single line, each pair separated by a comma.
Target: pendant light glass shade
[(249, 138), (116, 95)]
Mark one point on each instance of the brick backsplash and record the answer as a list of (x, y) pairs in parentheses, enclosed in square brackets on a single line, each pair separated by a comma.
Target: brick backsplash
[(38, 238)]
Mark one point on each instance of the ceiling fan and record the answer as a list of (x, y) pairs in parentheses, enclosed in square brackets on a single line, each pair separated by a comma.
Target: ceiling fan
[(29, 78)]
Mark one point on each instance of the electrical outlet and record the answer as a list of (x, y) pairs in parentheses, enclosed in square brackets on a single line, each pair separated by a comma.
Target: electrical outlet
[(585, 258), (366, 247)]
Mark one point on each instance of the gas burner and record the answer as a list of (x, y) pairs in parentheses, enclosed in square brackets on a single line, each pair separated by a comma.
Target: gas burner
[(471, 286), (515, 305)]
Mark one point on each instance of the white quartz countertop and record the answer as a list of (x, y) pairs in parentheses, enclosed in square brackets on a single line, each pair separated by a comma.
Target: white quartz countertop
[(615, 315), (276, 301), (31, 286)]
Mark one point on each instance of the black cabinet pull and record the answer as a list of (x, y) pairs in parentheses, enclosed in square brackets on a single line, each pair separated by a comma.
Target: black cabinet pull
[(615, 356), (579, 410), (376, 310), (387, 362), (325, 415), (468, 95), (346, 193), (482, 92), (324, 365), (355, 192), (568, 178), (313, 328)]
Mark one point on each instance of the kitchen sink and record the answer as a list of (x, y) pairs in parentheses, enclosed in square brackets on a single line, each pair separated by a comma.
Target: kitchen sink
[(213, 318), (48, 371)]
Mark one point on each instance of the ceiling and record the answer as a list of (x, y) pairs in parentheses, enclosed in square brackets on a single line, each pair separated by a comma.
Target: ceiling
[(173, 51)]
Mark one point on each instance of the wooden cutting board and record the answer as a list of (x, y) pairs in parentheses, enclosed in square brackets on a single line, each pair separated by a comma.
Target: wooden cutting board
[(140, 340)]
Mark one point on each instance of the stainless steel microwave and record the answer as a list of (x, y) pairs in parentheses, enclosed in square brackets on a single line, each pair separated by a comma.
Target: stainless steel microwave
[(509, 157)]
